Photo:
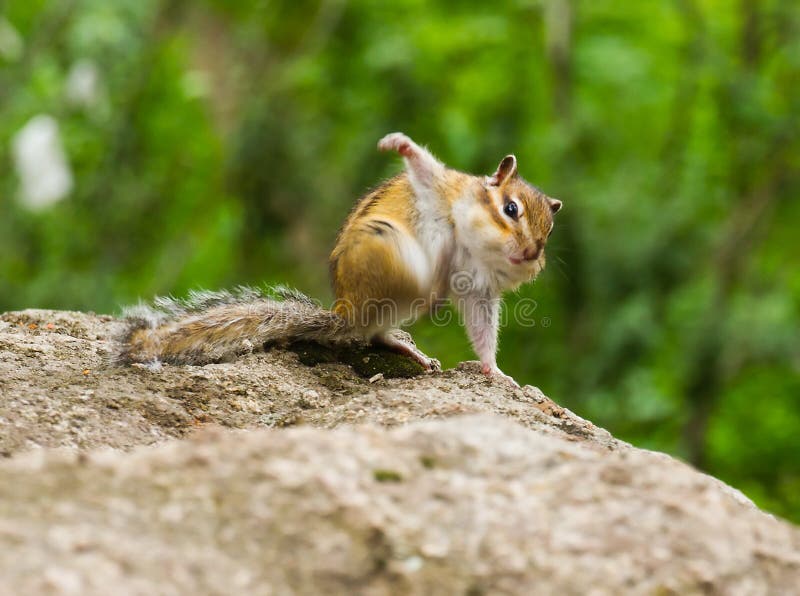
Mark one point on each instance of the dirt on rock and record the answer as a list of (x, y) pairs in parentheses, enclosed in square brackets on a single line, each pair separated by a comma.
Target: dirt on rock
[(267, 476)]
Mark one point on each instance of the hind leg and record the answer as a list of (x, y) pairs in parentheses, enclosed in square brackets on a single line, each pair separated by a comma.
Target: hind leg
[(401, 342)]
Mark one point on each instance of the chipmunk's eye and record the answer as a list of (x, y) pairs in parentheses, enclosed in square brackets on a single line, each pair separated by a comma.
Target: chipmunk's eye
[(511, 210)]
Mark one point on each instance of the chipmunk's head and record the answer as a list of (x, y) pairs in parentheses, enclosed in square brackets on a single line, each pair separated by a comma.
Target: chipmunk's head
[(519, 222)]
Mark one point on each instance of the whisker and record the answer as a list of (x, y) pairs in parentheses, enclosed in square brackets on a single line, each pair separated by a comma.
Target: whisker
[(561, 266)]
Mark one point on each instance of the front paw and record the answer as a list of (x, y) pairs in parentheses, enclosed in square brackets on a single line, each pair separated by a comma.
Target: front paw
[(493, 372), (397, 141)]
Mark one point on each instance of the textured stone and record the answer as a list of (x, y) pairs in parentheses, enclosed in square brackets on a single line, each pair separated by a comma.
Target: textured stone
[(265, 476)]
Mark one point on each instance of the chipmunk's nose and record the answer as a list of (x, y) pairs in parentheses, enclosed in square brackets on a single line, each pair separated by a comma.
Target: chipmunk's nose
[(532, 252)]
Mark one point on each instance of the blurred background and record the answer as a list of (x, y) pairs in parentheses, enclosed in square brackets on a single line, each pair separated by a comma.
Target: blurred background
[(154, 146)]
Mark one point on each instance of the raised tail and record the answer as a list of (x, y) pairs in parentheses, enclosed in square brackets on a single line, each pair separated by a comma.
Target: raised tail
[(218, 326)]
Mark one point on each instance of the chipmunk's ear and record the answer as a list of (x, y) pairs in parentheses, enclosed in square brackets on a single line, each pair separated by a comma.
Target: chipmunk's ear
[(505, 171), (555, 205)]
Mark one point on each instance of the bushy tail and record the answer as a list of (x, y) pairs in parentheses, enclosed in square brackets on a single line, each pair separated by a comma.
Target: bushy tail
[(217, 326)]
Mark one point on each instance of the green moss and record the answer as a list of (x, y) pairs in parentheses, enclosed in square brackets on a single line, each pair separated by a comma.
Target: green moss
[(427, 462), (366, 361), (387, 476), (311, 353)]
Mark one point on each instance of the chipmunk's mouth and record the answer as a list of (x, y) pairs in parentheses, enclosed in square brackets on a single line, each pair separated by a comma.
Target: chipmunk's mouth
[(526, 257)]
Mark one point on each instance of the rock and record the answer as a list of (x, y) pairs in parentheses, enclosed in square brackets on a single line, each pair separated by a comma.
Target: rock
[(187, 480)]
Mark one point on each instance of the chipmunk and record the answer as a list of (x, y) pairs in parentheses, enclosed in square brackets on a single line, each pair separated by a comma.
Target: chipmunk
[(428, 234)]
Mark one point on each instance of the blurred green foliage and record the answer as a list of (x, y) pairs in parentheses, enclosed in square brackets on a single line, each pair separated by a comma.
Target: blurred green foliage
[(228, 140)]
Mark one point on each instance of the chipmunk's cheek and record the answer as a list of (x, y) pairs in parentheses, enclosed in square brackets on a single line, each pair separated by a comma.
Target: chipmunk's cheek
[(489, 237), (513, 254)]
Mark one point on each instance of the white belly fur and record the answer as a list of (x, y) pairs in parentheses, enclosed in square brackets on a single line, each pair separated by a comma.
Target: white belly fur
[(435, 240)]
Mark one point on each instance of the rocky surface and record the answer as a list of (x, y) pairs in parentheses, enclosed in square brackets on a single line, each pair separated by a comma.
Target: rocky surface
[(266, 476)]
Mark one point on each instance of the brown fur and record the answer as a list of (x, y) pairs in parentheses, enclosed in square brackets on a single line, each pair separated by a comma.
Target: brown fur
[(366, 264)]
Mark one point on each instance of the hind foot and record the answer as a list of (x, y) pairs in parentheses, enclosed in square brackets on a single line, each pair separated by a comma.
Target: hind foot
[(401, 342)]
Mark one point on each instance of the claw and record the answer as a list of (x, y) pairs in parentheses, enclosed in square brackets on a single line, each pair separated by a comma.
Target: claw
[(401, 342), (435, 365), (494, 372), (430, 365)]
